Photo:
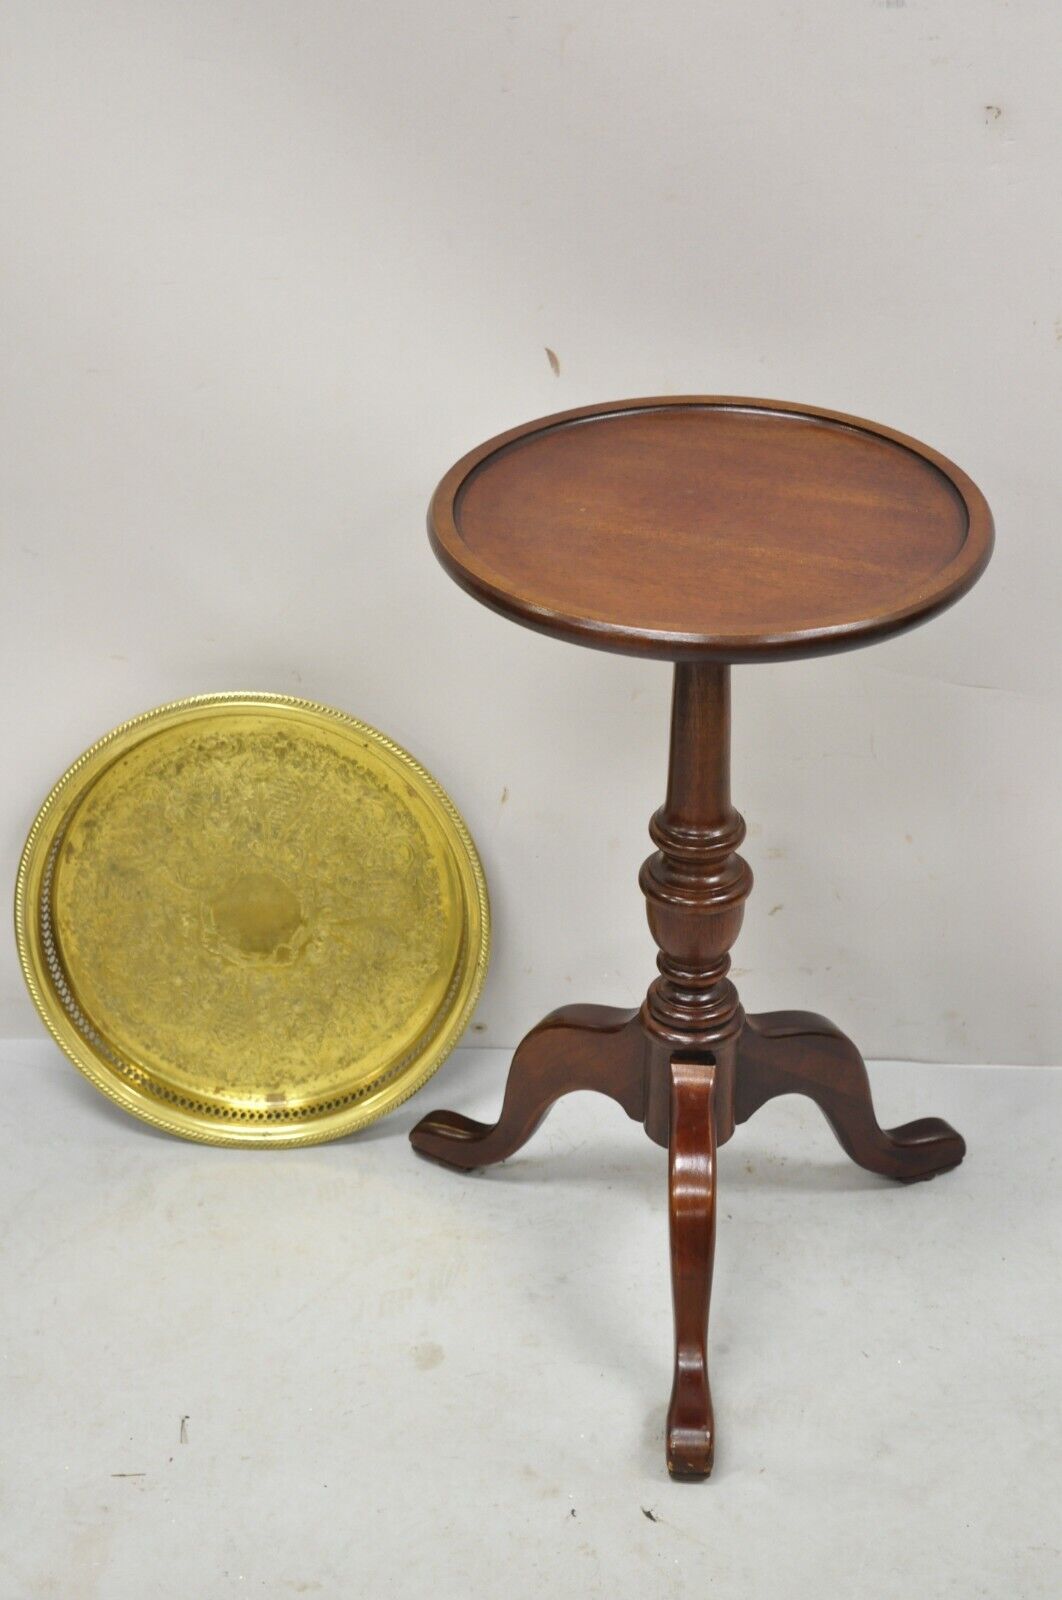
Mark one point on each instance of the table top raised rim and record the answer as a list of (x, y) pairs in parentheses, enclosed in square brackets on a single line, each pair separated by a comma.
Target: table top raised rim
[(477, 577)]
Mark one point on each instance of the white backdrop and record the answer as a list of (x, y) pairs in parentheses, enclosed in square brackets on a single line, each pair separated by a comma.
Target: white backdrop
[(272, 265)]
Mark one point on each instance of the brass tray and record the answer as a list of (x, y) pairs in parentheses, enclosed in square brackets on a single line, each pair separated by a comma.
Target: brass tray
[(250, 919)]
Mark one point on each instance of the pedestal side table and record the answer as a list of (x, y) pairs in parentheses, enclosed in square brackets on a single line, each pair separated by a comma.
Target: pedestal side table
[(703, 531)]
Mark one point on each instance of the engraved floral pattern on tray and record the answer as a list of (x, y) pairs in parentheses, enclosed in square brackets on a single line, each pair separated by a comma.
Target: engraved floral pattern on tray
[(256, 910)]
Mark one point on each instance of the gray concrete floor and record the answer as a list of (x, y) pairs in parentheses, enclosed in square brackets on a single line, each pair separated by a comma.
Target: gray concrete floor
[(343, 1371)]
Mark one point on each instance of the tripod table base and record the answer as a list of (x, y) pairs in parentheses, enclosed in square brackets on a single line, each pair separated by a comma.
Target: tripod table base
[(615, 1053)]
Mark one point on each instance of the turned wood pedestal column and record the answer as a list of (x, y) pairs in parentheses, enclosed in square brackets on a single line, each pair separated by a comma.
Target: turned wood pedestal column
[(704, 532)]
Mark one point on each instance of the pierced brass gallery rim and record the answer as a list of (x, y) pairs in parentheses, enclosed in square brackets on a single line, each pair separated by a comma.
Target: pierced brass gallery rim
[(251, 919)]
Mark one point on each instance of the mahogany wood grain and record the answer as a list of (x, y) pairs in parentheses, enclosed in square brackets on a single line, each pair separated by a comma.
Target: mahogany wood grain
[(577, 1047), (697, 527), (691, 1220), (695, 888), (797, 1052), (703, 531)]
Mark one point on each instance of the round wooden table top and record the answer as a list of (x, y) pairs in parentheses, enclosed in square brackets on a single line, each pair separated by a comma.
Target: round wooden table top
[(711, 528)]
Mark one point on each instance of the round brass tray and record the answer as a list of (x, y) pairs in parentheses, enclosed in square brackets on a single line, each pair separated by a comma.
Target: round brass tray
[(250, 919)]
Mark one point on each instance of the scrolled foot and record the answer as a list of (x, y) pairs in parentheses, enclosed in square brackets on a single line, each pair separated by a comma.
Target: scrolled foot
[(690, 1427), (691, 1214), (577, 1047), (797, 1052)]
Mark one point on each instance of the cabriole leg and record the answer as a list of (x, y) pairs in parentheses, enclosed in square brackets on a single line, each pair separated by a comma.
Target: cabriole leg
[(691, 1215)]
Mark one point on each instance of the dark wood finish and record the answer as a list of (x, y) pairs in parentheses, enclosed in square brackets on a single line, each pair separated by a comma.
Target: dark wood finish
[(690, 1065), (695, 888), (797, 1052), (706, 527), (691, 1219), (577, 1047)]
